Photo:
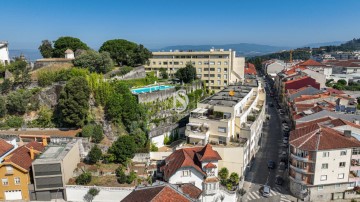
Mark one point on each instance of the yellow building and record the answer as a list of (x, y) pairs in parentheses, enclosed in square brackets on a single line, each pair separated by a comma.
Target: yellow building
[(15, 172), (217, 67)]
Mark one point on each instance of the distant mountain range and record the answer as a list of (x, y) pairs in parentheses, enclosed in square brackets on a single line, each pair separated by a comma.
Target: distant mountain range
[(242, 49)]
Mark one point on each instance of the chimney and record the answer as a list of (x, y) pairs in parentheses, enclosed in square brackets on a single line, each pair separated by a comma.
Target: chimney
[(44, 141), (32, 153), (347, 133)]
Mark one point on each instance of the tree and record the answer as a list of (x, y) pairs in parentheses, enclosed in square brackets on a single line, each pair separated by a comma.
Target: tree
[(6, 86), (186, 74), (46, 49), (125, 52), (123, 148), (2, 106), (163, 73), (14, 121), (94, 154), (21, 73), (83, 179), (44, 119), (132, 176), (223, 173), (342, 82), (73, 105), (139, 137), (90, 195), (120, 174), (234, 178), (97, 134), (67, 42), (87, 130), (18, 102), (94, 61)]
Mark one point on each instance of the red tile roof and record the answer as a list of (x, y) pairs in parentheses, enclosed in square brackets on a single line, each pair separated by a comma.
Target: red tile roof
[(294, 69), (250, 69), (163, 193), (334, 91), (309, 123), (189, 157), (346, 64), (210, 165), (191, 190), (322, 138), (342, 122), (5, 147), (310, 62), (21, 155)]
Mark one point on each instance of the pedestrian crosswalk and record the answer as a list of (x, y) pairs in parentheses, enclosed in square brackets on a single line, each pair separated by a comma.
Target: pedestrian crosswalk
[(284, 199), (257, 195)]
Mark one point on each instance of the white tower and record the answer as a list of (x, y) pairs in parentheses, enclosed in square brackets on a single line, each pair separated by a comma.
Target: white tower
[(4, 53), (69, 54)]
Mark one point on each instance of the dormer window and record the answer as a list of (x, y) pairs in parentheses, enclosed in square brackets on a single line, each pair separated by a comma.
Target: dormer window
[(186, 173)]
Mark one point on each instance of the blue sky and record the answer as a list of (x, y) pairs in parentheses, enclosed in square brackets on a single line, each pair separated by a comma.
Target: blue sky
[(158, 23)]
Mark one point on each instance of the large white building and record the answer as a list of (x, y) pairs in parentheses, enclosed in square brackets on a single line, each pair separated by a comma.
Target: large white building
[(4, 53), (231, 120), (217, 67)]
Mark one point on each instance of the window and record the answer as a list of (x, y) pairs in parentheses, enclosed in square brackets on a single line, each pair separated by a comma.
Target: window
[(219, 82), (356, 151), (181, 63), (225, 82), (320, 187), (198, 76), (176, 63), (351, 184), (185, 173), (222, 129), (17, 180), (222, 140), (5, 181), (211, 81), (212, 75), (199, 63), (9, 168), (193, 63), (343, 153), (225, 63), (206, 69), (225, 76), (325, 154), (170, 63), (154, 63), (324, 166), (212, 62), (219, 69), (337, 186), (165, 63), (212, 69), (323, 177), (219, 76), (341, 176), (342, 164), (225, 70), (219, 63), (199, 70), (159, 63)]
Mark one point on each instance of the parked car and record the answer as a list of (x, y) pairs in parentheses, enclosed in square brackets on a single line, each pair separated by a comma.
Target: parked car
[(281, 111), (271, 104), (286, 128), (282, 166), (279, 180), (285, 125), (271, 164), (285, 141), (286, 134), (286, 138), (266, 191), (284, 160)]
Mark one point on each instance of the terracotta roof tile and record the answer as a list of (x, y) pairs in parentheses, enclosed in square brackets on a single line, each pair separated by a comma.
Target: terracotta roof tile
[(210, 165), (334, 91), (5, 147), (21, 155), (208, 154), (346, 64), (321, 138), (155, 194), (311, 62), (250, 69), (191, 190)]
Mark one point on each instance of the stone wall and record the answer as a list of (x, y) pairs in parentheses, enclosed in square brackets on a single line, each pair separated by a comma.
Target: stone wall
[(156, 95), (136, 73), (49, 62)]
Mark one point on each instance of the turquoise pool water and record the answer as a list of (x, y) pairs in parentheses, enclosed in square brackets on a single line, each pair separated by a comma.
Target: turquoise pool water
[(150, 89)]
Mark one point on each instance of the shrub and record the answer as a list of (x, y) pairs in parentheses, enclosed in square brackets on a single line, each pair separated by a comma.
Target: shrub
[(131, 177), (95, 154), (14, 121), (223, 173), (83, 179)]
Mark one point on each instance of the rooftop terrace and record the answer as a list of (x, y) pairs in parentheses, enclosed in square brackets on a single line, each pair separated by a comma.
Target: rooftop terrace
[(55, 151)]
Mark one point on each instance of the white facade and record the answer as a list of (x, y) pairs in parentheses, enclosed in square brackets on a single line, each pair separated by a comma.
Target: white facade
[(4, 53), (187, 175)]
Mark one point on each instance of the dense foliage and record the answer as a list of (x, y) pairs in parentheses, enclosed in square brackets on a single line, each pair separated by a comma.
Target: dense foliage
[(73, 105), (67, 42), (2, 106), (18, 102), (83, 179), (94, 154), (186, 74), (94, 61), (125, 52), (123, 148), (93, 131), (46, 49), (351, 45), (163, 73)]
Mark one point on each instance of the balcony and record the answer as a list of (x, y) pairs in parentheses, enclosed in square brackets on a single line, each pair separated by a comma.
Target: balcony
[(300, 181), (353, 176), (355, 165), (301, 158), (197, 130), (306, 170)]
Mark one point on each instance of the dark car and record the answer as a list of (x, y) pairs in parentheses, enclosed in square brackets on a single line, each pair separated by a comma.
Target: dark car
[(271, 164), (279, 180), (284, 160), (271, 104)]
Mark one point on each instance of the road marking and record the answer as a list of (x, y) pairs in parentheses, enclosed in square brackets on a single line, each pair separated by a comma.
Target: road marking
[(278, 189), (284, 199), (272, 193), (253, 196)]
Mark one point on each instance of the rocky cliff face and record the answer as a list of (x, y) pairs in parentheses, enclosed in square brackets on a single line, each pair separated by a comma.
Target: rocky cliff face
[(50, 95)]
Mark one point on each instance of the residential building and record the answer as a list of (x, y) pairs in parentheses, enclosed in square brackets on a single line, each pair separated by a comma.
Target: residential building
[(164, 192), (198, 166), (217, 67), (274, 66), (4, 53), (346, 67), (53, 169), (15, 172), (323, 162), (231, 120), (250, 69)]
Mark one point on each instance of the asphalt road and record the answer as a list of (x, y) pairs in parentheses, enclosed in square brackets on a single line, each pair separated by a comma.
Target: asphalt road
[(271, 149)]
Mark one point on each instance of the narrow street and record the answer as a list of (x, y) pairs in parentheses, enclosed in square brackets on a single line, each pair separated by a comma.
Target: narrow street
[(271, 149)]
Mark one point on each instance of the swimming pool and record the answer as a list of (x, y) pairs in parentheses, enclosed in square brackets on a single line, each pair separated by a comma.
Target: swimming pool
[(150, 89)]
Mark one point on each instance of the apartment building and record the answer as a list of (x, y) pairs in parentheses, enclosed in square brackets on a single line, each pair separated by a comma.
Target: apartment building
[(324, 161), (53, 169), (231, 120), (4, 53), (217, 67)]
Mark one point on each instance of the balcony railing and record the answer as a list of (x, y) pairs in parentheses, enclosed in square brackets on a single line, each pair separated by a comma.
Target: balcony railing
[(301, 158), (303, 182), (306, 170)]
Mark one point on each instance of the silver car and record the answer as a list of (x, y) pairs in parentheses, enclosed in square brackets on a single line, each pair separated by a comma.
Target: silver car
[(266, 191)]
